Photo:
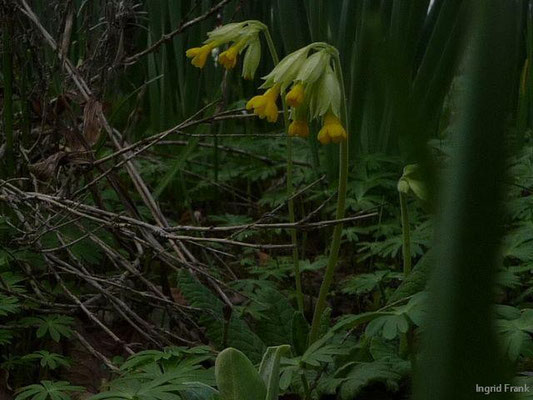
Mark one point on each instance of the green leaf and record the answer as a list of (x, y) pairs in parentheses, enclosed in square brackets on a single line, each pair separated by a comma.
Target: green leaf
[(399, 319), (269, 369), (48, 360), (47, 390), (322, 352), (8, 305), (516, 334), (364, 283), (56, 326), (236, 377), (5, 337), (416, 280), (240, 335), (274, 328), (300, 332), (363, 374)]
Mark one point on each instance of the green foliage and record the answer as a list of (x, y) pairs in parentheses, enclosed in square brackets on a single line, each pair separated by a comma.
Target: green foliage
[(47, 390), (239, 334), (175, 372), (274, 326), (6, 337), (8, 305), (48, 360), (516, 333), (361, 375), (399, 320), (364, 283), (54, 326), (167, 357)]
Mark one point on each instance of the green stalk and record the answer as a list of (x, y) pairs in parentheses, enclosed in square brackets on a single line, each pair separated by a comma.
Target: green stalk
[(8, 94), (341, 201), (290, 185), (406, 246)]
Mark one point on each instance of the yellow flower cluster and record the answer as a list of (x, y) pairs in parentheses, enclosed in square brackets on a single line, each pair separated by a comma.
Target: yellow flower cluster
[(314, 91), (243, 35), (314, 86)]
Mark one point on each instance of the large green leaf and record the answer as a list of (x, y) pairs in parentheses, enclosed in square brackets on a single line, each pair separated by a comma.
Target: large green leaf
[(237, 378)]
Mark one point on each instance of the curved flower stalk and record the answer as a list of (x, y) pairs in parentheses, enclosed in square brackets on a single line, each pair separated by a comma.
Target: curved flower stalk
[(317, 91), (410, 182), (243, 36)]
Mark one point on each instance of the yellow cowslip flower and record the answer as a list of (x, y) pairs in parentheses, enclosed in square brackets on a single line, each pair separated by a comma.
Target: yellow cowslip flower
[(296, 95), (199, 54), (229, 57), (299, 128), (332, 130), (265, 105)]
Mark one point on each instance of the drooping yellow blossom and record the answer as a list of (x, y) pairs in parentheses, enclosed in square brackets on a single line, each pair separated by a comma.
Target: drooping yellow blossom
[(332, 130), (299, 128), (229, 57), (296, 95), (199, 54), (265, 105)]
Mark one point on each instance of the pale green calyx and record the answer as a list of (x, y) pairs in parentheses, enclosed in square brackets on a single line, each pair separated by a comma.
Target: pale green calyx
[(251, 59), (313, 67), (325, 94), (234, 31), (287, 69), (411, 180)]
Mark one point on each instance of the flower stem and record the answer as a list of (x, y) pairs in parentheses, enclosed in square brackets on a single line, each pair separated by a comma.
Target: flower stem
[(406, 246), (341, 201), (290, 185)]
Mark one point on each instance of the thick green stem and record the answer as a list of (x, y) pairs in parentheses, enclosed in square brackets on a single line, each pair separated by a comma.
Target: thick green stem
[(337, 232), (290, 186), (8, 94), (406, 246)]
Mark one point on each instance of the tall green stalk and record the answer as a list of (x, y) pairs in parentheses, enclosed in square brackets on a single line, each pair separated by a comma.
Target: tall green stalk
[(341, 201), (7, 60), (290, 185), (406, 234)]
